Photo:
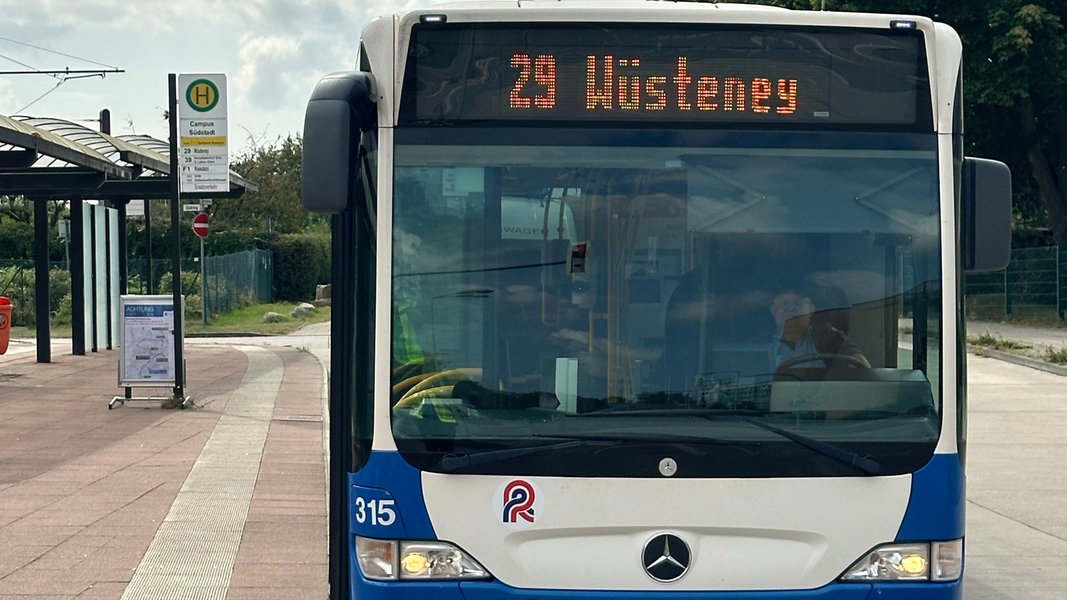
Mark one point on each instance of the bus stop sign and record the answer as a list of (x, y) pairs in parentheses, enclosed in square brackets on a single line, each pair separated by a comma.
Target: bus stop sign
[(200, 224)]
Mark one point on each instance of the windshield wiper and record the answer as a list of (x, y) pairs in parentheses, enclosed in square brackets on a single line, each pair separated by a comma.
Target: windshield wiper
[(454, 462), (866, 464)]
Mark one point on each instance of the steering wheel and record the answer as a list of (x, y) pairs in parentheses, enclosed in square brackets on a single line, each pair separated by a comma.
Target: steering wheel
[(430, 385), (824, 357)]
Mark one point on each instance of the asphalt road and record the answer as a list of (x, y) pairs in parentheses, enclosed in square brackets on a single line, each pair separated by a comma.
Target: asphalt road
[(1016, 484)]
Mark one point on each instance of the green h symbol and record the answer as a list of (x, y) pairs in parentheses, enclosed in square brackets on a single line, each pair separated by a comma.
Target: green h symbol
[(202, 95)]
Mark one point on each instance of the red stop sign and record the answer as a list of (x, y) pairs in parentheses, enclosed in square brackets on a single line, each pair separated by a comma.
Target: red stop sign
[(200, 224)]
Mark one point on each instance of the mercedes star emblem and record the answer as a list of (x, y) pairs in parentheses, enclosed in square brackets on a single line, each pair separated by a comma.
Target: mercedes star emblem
[(666, 557)]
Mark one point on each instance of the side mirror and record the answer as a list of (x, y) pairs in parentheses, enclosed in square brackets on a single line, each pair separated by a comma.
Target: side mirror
[(985, 215), (341, 108)]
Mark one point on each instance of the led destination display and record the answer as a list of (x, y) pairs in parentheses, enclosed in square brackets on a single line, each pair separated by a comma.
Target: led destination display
[(683, 73), (613, 83)]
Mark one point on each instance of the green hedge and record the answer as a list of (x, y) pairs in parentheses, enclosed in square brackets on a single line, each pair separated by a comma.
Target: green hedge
[(301, 261), (18, 283)]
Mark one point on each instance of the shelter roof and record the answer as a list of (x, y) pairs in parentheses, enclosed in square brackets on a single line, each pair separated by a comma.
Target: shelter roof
[(56, 158)]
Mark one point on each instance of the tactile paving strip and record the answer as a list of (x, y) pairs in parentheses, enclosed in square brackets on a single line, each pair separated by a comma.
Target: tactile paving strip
[(193, 552)]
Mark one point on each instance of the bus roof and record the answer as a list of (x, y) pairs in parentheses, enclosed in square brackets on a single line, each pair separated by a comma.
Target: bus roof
[(600, 4), (654, 10)]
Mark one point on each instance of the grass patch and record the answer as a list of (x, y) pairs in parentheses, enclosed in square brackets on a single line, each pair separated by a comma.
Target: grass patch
[(62, 330), (988, 340), (249, 319), (1058, 357), (1048, 354)]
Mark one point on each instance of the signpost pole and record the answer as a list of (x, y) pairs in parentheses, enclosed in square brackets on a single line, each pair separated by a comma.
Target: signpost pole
[(203, 282), (200, 228), (175, 214)]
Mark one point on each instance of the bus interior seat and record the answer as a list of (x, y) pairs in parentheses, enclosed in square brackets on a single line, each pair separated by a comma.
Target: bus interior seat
[(832, 307), (710, 331)]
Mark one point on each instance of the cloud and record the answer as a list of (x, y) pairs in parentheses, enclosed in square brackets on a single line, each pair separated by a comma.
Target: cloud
[(273, 51), (55, 24), (7, 93), (287, 47), (264, 63)]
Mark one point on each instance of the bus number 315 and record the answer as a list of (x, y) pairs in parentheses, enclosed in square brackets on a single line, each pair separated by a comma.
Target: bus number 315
[(376, 512)]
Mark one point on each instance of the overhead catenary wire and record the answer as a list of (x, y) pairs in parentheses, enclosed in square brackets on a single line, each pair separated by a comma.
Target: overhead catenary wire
[(38, 98), (56, 52), (62, 75)]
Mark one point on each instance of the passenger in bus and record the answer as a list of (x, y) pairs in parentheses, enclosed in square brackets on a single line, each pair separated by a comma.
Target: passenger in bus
[(803, 329)]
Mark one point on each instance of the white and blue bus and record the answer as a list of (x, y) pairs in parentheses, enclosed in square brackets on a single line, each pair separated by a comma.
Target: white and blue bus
[(640, 300)]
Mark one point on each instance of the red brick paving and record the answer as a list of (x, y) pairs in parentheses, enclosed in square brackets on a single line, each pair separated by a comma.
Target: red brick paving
[(83, 489)]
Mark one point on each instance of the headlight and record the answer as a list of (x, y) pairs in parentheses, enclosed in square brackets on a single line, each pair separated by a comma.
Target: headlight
[(392, 559), (936, 561)]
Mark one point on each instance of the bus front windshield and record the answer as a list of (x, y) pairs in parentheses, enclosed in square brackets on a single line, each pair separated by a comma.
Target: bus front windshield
[(576, 302)]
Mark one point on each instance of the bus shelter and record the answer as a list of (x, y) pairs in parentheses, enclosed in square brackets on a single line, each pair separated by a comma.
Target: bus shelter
[(97, 174)]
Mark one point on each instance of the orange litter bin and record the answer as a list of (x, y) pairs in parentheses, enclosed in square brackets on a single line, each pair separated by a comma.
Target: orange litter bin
[(5, 323)]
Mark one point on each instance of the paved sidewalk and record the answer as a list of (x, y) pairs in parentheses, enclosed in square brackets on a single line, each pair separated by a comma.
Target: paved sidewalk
[(223, 500)]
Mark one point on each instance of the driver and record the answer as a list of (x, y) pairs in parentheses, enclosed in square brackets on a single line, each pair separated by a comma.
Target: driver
[(799, 332)]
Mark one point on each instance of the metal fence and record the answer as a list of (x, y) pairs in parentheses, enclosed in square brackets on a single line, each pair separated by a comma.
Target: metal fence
[(233, 280), (17, 283), (240, 279), (1033, 286)]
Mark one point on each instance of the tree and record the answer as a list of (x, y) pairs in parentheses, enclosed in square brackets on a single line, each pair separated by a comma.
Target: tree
[(276, 206), (1015, 90), (1018, 86), (274, 216), (16, 227)]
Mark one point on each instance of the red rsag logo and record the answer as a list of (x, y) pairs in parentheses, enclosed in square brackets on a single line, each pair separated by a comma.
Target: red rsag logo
[(519, 497)]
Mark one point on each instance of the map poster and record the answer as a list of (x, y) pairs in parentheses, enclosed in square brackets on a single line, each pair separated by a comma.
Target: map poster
[(148, 339)]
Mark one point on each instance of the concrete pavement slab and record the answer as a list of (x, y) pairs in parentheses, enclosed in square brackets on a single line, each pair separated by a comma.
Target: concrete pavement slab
[(1016, 514)]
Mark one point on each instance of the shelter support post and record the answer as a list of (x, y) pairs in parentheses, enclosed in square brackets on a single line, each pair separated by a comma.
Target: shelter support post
[(41, 282), (77, 275)]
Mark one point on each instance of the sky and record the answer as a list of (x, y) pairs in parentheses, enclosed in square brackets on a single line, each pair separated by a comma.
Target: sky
[(271, 51)]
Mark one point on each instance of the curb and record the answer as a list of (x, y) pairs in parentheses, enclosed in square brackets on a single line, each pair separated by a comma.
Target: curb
[(1023, 361), (228, 334)]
